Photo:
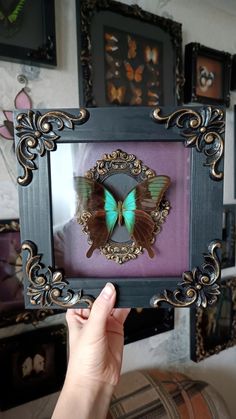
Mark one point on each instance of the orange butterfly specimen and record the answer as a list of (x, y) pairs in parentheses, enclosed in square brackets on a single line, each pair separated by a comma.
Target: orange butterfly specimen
[(134, 74), (115, 94), (111, 42), (137, 95), (153, 98), (132, 47), (151, 54)]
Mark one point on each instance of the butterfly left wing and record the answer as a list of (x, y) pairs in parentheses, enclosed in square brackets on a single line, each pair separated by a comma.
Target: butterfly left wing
[(96, 199), (137, 208)]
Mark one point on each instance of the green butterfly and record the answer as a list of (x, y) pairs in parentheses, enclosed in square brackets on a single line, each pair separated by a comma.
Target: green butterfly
[(135, 211)]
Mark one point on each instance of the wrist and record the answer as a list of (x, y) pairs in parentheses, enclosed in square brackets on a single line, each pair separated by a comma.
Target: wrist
[(89, 398)]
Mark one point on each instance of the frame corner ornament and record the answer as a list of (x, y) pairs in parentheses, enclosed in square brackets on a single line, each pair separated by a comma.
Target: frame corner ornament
[(202, 129), (37, 135), (198, 286), (49, 287)]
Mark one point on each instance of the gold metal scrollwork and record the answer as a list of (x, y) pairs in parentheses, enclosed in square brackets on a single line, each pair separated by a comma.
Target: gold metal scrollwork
[(198, 286), (203, 130), (49, 287), (36, 133)]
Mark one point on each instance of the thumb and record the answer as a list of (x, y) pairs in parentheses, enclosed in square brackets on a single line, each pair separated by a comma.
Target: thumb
[(101, 309)]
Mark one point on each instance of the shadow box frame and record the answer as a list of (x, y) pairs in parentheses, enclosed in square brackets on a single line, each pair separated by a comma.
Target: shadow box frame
[(194, 50), (37, 134), (228, 254), (146, 322), (45, 54), (200, 348), (93, 16), (17, 315), (16, 388)]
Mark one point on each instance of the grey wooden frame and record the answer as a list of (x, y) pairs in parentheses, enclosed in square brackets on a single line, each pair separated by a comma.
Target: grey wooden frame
[(37, 134)]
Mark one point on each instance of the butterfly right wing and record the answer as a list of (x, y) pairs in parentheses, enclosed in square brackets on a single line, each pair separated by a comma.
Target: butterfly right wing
[(100, 203)]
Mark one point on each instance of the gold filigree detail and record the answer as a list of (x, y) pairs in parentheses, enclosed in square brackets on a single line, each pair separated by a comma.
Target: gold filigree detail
[(198, 286), (203, 130), (121, 162), (49, 287), (36, 136)]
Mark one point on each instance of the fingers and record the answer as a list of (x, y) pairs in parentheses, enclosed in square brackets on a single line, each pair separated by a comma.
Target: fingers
[(77, 317), (121, 314), (101, 309)]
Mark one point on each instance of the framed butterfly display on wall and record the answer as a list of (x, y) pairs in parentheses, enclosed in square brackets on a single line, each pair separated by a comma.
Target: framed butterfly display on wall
[(207, 75), (127, 56), (27, 32), (122, 195)]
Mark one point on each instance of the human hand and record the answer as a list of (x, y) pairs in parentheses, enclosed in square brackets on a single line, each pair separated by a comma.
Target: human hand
[(96, 340)]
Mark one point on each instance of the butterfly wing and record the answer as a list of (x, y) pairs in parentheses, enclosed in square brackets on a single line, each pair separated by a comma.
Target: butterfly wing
[(137, 208), (96, 199)]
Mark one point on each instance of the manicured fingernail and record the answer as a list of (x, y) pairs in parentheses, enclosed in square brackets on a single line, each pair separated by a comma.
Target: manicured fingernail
[(108, 291)]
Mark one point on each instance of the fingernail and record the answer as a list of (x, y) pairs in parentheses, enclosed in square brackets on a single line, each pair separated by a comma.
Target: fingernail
[(108, 291)]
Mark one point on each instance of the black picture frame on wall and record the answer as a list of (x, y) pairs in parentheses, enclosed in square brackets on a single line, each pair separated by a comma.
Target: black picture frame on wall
[(42, 136), (214, 329), (207, 75), (12, 310), (228, 236), (33, 364), (27, 32), (127, 56), (145, 322)]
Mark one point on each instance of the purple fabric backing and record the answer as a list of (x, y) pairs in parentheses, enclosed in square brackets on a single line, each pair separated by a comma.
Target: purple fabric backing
[(172, 243)]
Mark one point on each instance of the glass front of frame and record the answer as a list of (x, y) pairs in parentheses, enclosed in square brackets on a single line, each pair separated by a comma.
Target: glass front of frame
[(171, 245)]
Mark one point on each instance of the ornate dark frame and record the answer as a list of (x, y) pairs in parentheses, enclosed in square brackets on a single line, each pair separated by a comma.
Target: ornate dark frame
[(37, 134), (229, 236), (141, 20), (16, 390), (45, 54), (13, 317), (192, 51), (199, 350)]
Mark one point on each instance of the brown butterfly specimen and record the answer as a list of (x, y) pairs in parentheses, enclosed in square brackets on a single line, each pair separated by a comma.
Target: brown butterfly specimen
[(153, 76), (111, 42), (115, 94), (132, 47), (151, 54), (134, 74), (136, 98), (153, 98), (135, 211), (114, 67)]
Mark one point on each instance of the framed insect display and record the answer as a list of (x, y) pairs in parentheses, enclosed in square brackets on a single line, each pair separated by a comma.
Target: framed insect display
[(30, 365), (214, 329), (142, 323), (12, 310), (228, 236), (27, 32), (207, 75), (123, 195), (127, 56)]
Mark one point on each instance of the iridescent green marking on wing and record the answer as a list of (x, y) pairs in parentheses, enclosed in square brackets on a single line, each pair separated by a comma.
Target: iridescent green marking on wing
[(111, 210), (157, 185), (129, 206)]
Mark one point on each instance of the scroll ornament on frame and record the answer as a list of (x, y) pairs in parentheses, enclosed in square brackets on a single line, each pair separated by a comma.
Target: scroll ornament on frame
[(202, 130)]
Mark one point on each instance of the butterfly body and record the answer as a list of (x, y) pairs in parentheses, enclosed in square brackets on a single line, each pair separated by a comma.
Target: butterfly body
[(135, 211)]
